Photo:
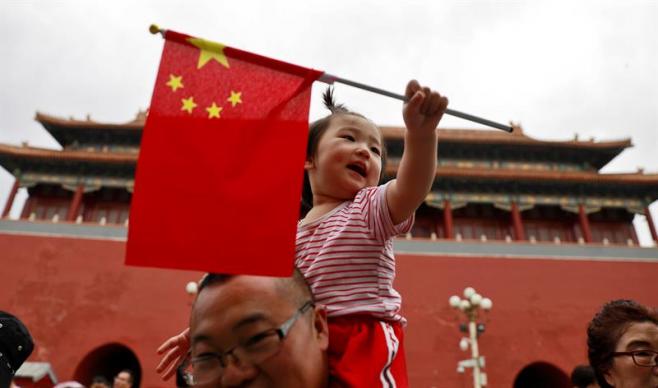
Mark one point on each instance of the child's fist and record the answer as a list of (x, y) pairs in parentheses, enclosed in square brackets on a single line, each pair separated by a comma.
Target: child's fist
[(423, 109)]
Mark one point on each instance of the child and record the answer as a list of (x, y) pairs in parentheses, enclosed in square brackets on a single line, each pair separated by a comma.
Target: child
[(344, 242)]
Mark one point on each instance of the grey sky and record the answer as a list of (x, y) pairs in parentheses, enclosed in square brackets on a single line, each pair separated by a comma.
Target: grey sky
[(557, 67)]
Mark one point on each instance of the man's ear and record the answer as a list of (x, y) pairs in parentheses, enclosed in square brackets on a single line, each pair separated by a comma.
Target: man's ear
[(321, 326)]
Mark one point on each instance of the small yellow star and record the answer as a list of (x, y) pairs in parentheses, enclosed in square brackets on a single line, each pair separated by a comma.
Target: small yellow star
[(214, 110), (188, 104), (235, 99), (175, 82), (209, 50)]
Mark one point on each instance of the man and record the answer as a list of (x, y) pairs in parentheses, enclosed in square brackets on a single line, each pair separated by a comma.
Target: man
[(257, 331), (124, 379)]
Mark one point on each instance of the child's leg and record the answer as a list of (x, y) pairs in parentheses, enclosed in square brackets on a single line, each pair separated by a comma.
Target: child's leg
[(365, 352)]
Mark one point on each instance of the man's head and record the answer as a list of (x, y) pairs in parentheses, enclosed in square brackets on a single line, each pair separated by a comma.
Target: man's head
[(124, 379), (582, 376), (273, 336), (100, 382)]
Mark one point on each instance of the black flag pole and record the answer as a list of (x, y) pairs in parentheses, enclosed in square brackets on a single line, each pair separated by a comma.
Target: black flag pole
[(330, 79)]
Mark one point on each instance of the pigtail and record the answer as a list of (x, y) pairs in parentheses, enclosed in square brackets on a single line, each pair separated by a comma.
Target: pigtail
[(330, 102)]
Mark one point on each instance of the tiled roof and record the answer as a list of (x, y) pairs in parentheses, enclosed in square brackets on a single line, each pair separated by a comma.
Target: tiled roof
[(72, 155), (499, 137)]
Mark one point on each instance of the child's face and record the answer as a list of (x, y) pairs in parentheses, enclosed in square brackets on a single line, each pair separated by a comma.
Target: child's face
[(348, 158)]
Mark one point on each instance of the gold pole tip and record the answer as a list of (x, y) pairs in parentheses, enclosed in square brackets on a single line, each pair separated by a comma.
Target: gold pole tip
[(154, 29)]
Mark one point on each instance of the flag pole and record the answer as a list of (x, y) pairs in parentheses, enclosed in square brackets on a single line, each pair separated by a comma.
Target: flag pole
[(330, 79)]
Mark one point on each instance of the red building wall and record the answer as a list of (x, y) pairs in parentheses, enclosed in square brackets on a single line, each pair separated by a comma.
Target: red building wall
[(75, 295)]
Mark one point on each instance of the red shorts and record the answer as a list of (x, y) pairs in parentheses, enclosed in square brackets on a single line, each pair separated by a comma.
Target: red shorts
[(365, 352)]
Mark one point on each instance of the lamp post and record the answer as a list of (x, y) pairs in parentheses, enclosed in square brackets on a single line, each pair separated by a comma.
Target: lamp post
[(470, 306)]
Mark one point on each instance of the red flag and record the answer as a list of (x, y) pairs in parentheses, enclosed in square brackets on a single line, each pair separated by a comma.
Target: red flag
[(219, 175)]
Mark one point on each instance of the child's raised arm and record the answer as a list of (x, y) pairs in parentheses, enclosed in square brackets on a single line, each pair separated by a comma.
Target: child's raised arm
[(422, 113)]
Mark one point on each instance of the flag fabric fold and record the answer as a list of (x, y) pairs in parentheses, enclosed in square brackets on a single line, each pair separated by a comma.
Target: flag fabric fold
[(219, 175)]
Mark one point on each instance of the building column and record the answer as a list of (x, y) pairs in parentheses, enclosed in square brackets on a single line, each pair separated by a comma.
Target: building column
[(75, 204), (10, 199), (517, 222), (652, 226), (447, 220), (584, 223)]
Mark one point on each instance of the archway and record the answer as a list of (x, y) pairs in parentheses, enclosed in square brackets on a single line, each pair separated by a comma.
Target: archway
[(542, 375), (108, 360)]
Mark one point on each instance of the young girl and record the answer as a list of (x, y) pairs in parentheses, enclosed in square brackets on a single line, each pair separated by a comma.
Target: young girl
[(344, 242)]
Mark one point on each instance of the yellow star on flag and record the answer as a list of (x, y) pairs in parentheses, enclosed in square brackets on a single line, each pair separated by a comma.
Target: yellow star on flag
[(175, 82), (209, 50), (188, 104), (235, 99), (214, 110)]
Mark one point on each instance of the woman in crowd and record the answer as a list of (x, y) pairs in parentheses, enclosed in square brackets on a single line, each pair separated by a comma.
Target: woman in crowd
[(622, 341)]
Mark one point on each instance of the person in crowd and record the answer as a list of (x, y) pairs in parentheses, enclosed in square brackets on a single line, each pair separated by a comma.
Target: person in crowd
[(256, 330), (622, 342), (100, 382), (582, 376), (124, 379), (16, 345)]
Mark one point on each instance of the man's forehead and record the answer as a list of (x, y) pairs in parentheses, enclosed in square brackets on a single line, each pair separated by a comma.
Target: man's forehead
[(240, 299)]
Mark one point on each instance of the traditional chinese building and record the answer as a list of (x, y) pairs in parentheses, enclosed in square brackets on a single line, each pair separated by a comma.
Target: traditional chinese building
[(533, 224)]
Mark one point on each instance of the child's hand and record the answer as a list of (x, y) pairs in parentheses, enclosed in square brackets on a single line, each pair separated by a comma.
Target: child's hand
[(423, 109), (176, 348)]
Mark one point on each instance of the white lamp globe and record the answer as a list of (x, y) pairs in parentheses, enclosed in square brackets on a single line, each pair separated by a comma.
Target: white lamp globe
[(464, 305), (486, 304), (476, 299), (191, 288), (463, 344), (468, 292), (454, 301)]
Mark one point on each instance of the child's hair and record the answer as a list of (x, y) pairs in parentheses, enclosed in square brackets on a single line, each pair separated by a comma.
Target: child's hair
[(316, 130)]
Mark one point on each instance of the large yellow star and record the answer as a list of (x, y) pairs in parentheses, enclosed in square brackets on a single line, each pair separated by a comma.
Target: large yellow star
[(188, 104), (175, 82), (214, 110), (209, 50), (235, 99)]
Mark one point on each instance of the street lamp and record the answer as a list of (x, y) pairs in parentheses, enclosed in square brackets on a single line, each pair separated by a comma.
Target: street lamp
[(470, 306)]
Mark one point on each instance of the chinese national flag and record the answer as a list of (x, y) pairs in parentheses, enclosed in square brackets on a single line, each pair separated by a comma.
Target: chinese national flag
[(219, 176)]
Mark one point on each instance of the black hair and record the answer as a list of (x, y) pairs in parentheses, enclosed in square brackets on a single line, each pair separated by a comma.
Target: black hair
[(101, 380), (607, 327), (295, 287), (315, 132), (582, 376)]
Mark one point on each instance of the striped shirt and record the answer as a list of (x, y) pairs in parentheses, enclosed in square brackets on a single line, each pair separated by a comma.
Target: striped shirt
[(347, 257)]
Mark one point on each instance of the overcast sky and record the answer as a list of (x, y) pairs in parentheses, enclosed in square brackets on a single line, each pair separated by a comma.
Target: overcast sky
[(557, 67)]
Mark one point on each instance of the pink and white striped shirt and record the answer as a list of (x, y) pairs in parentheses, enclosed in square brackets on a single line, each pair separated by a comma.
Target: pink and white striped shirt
[(347, 257)]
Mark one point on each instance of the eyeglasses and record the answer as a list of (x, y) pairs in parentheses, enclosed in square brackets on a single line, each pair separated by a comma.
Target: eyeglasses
[(648, 358), (254, 350)]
